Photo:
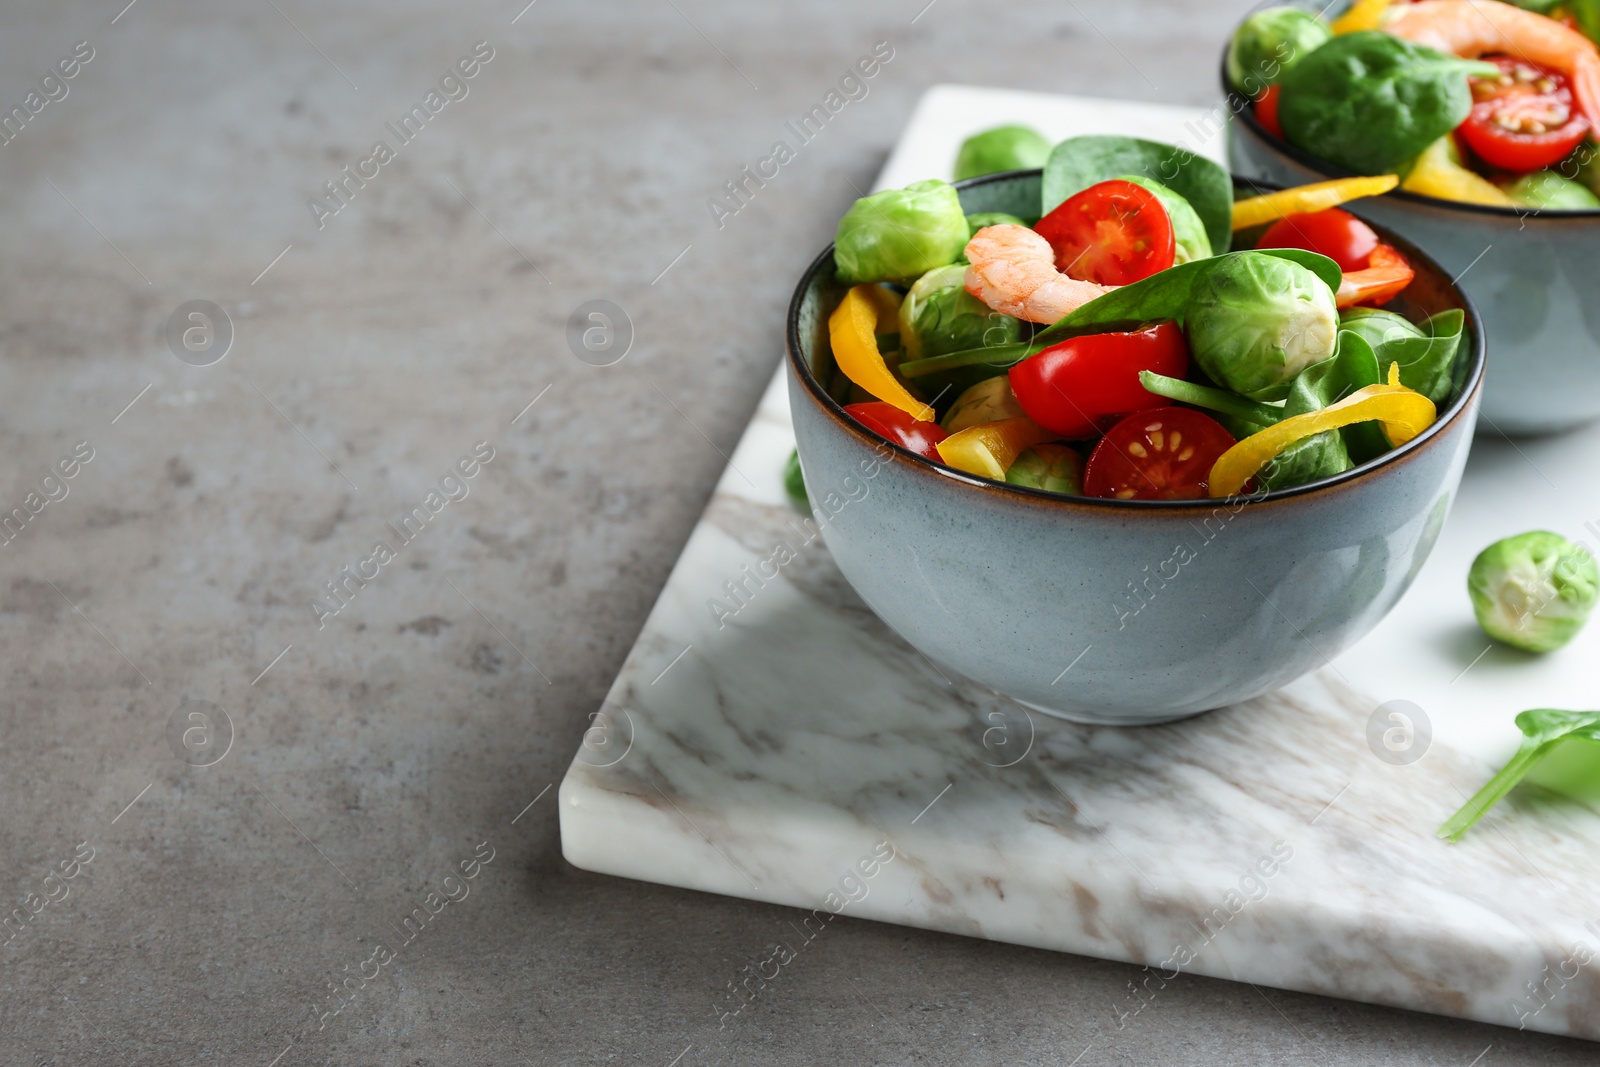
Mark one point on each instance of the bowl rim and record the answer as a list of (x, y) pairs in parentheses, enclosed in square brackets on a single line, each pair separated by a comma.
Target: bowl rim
[(1322, 167), (1471, 385)]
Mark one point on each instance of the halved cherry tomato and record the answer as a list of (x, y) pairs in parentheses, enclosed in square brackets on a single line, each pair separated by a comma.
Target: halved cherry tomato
[(1160, 454), (1525, 119), (1078, 387), (1386, 277), (892, 424), (1113, 233), (1336, 234), (1267, 111)]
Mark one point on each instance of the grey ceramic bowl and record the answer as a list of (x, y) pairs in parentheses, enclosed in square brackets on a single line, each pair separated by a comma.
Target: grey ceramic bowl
[(1534, 275), (1119, 612)]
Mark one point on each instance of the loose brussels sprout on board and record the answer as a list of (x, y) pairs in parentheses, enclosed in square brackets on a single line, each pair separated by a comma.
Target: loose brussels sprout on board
[(1533, 591), (1002, 148), (1269, 44), (899, 235)]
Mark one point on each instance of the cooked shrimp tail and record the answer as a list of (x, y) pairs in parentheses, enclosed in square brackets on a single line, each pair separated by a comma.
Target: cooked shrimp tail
[(1013, 270), (1473, 28)]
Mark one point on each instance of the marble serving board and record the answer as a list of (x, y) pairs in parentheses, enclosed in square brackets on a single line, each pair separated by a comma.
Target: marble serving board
[(769, 738)]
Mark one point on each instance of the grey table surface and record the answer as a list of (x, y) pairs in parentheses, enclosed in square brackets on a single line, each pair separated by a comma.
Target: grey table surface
[(238, 875)]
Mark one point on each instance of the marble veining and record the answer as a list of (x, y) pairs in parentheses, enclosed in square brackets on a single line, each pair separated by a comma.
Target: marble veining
[(758, 752)]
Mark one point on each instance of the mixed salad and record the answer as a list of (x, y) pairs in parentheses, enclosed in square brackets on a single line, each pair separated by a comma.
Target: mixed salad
[(1113, 346), (1472, 100)]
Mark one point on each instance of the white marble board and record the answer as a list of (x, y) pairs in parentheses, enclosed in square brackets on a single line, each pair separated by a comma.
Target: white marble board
[(766, 752)]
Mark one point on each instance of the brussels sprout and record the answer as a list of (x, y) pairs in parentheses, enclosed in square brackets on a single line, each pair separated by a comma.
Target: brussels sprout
[(1549, 191), (938, 315), (1584, 166), (1053, 468), (990, 218), (1188, 231), (1533, 591), (900, 234), (1269, 43), (988, 401), (794, 484), (1376, 326), (1255, 322), (1002, 148)]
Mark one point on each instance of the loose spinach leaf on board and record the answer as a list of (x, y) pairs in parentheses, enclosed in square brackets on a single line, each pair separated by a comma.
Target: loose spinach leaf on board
[(1079, 162), (1369, 102), (1167, 295), (1542, 730)]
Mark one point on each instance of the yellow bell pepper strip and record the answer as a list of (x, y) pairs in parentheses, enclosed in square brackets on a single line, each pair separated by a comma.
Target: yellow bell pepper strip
[(1403, 413), (989, 449), (1304, 199), (1363, 15), (852, 330), (1436, 174)]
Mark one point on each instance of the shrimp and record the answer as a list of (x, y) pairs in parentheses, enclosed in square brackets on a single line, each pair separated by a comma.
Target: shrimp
[(1013, 270), (1473, 28)]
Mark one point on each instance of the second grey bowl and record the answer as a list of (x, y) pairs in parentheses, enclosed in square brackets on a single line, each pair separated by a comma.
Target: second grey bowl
[(1534, 275)]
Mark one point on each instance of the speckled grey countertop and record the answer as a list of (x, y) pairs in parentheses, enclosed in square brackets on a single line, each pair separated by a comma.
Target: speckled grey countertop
[(266, 790)]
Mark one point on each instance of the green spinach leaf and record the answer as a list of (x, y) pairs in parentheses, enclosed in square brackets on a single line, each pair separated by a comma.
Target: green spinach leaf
[(1426, 353), (1079, 162), (946, 377), (794, 484), (1211, 398), (1369, 102), (1542, 730)]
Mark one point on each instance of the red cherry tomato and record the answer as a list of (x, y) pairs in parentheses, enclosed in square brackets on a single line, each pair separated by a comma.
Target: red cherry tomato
[(1114, 233), (1337, 234), (1078, 387), (1160, 454), (1267, 111), (1525, 119), (894, 425)]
